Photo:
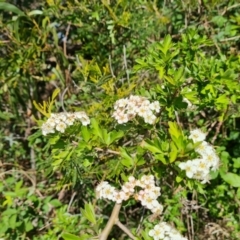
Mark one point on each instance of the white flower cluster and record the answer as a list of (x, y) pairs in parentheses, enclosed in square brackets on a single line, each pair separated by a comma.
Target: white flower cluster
[(60, 121), (147, 195), (200, 168), (127, 108), (164, 231)]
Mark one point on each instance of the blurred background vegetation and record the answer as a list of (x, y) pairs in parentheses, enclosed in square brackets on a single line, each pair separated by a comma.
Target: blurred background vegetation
[(88, 48)]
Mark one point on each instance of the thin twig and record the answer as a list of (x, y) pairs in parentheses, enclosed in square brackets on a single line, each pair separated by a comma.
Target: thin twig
[(125, 229), (125, 63), (62, 98), (65, 40), (110, 66), (229, 8), (217, 131), (71, 200), (108, 151), (229, 39), (112, 220)]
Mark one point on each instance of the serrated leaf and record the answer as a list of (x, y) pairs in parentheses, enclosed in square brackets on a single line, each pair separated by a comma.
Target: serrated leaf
[(170, 80), (150, 146), (174, 152), (179, 74), (166, 44), (69, 236), (106, 136), (174, 129), (88, 212), (161, 158), (127, 159), (85, 133), (96, 130), (114, 135)]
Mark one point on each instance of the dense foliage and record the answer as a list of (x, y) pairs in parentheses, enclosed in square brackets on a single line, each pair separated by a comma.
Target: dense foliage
[(85, 55)]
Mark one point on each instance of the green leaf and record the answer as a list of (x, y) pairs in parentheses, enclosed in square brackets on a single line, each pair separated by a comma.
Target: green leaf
[(167, 44), (127, 159), (174, 152), (114, 135), (145, 235), (96, 130), (58, 73), (179, 179), (6, 116), (28, 225), (53, 140), (85, 133), (231, 178), (161, 158), (150, 146), (12, 221), (236, 162), (106, 136), (179, 74), (88, 212), (55, 93), (11, 8), (170, 80), (69, 236), (55, 203), (174, 129)]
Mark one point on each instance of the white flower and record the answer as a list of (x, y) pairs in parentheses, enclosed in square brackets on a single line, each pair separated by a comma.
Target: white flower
[(85, 121), (150, 118), (51, 121), (47, 128), (109, 192), (157, 233), (123, 102), (202, 165), (61, 126), (155, 106), (70, 118), (203, 147), (127, 108), (157, 209), (153, 191), (62, 116), (120, 196), (122, 118), (142, 111), (146, 180), (128, 187), (197, 135), (190, 168), (132, 180), (99, 189), (164, 231), (60, 121), (166, 227)]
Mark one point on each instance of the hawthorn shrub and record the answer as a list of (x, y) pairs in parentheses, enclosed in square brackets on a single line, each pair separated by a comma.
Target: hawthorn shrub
[(120, 120)]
